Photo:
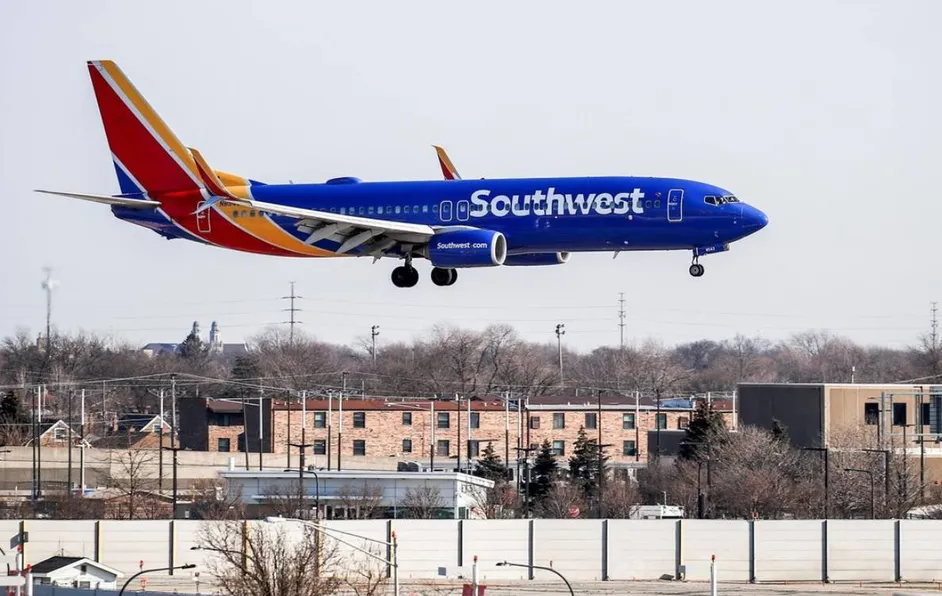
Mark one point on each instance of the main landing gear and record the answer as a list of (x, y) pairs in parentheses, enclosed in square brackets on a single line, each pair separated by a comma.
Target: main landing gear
[(696, 269), (405, 276)]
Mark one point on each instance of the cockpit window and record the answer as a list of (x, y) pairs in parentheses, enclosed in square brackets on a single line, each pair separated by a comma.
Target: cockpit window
[(711, 200)]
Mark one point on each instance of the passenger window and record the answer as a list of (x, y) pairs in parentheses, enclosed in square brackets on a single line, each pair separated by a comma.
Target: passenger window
[(343, 211), (235, 214), (389, 209), (370, 210), (398, 209), (333, 210), (379, 210), (424, 208), (657, 204), (362, 211), (415, 209), (648, 203), (244, 213), (435, 208), (252, 213), (406, 210)]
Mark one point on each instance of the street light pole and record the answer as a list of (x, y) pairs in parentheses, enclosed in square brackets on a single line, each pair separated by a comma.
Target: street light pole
[(143, 571), (550, 569), (560, 332)]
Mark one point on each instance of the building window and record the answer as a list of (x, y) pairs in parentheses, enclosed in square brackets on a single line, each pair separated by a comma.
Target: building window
[(475, 420), (320, 419), (222, 445), (628, 448), (591, 419), (443, 447), (407, 418), (359, 420), (559, 448), (683, 422), (899, 414), (924, 415), (407, 445), (628, 421), (474, 449), (59, 434), (359, 447), (871, 413), (661, 421), (320, 447), (444, 420), (534, 422), (559, 420)]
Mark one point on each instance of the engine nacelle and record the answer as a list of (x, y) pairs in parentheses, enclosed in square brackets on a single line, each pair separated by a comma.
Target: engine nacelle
[(535, 259), (471, 247)]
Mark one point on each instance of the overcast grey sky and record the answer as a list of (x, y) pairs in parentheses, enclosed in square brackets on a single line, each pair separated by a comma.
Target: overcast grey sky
[(822, 113)]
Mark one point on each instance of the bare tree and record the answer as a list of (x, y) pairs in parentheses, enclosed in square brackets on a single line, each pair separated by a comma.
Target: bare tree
[(620, 498), (564, 500), (211, 502), (286, 500), (261, 559), (363, 499), (133, 475), (500, 501), (367, 574), (422, 502)]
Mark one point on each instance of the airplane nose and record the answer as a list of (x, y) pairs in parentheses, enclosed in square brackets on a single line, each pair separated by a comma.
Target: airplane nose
[(753, 220)]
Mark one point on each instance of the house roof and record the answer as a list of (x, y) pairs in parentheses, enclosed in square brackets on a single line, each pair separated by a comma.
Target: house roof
[(52, 564), (219, 406), (136, 421)]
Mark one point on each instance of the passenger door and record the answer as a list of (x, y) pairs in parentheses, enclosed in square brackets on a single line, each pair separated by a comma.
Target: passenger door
[(445, 211), (675, 205)]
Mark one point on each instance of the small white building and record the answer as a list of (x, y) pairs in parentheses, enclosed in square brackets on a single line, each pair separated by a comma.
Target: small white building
[(75, 572), (338, 494)]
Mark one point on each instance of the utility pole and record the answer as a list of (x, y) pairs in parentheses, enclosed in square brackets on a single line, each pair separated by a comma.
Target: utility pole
[(68, 485), (82, 445), (160, 438), (458, 425), (621, 319), (261, 428), (292, 322), (598, 425), (560, 332), (304, 444), (374, 331), (343, 383)]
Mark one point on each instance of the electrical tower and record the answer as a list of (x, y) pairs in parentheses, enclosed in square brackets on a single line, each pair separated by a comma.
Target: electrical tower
[(48, 284), (935, 325), (621, 319), (292, 322)]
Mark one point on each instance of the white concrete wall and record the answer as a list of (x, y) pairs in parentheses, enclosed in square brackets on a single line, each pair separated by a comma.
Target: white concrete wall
[(862, 550), (789, 551), (728, 540), (920, 542), (642, 549)]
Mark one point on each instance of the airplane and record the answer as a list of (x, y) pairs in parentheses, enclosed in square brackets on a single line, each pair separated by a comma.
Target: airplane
[(454, 223)]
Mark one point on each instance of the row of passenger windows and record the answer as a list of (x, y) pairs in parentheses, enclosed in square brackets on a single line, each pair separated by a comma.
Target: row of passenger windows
[(387, 210), (712, 200)]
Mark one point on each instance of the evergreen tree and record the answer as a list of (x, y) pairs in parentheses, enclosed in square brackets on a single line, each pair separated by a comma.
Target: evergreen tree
[(584, 464), (193, 348), (707, 427), (490, 465), (11, 410), (544, 472)]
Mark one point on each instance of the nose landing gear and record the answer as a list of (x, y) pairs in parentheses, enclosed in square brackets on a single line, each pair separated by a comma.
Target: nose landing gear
[(696, 269)]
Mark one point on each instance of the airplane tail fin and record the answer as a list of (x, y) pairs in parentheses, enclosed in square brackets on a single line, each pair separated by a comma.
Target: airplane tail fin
[(148, 157), (448, 168)]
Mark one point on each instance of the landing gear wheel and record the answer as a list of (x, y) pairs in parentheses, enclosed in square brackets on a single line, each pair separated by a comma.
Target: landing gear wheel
[(696, 270), (444, 277), (405, 276)]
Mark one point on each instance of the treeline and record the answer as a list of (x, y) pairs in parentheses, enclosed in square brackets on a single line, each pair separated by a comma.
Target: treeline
[(118, 376)]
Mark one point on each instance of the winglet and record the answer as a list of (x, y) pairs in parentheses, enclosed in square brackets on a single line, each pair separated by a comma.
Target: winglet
[(448, 168)]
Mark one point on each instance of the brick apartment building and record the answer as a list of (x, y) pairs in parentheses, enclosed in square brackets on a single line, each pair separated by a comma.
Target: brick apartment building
[(432, 430)]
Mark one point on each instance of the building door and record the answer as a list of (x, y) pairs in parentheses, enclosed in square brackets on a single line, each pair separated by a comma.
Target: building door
[(675, 205)]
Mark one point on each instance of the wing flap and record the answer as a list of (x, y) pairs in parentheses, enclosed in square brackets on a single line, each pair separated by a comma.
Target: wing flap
[(106, 199)]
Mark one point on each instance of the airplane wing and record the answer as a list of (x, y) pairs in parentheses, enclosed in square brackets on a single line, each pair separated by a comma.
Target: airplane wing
[(106, 199), (448, 168), (378, 235)]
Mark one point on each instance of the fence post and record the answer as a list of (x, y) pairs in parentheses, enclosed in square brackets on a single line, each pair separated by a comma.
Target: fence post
[(605, 550), (530, 548), (752, 551), (898, 548)]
